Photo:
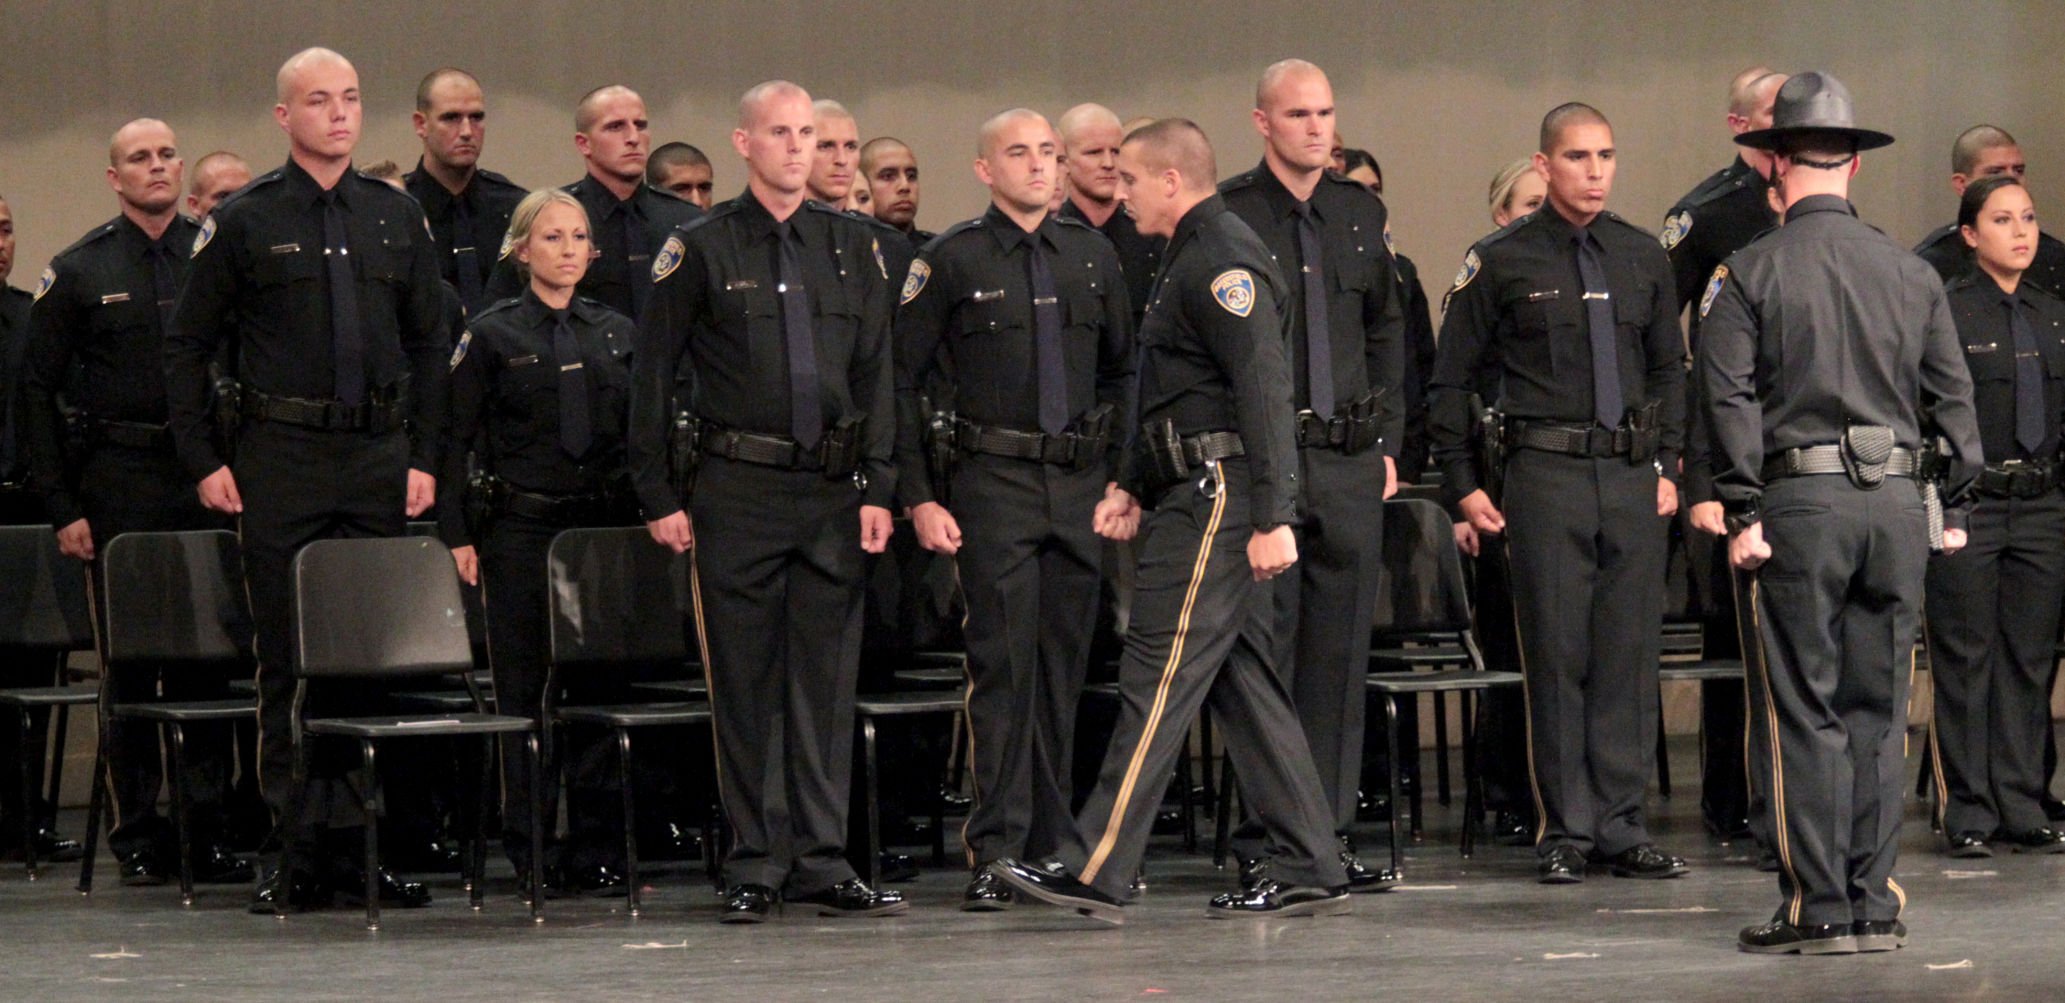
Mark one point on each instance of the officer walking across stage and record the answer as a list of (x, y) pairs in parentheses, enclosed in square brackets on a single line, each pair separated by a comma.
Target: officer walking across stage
[(1347, 363), (1572, 306), (1993, 606), (1714, 220), (1826, 351), (775, 315), (96, 342), (1215, 458), (330, 283), (541, 393), (468, 207), (1030, 312)]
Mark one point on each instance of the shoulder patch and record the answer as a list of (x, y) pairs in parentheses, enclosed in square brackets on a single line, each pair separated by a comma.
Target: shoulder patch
[(201, 239), (669, 257), (1471, 264), (914, 283), (459, 353), (1388, 245), (1235, 290), (1713, 289), (507, 245), (1675, 227), (43, 284), (875, 245)]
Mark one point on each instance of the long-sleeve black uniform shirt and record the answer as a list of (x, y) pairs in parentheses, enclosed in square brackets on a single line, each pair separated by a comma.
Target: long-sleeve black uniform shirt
[(715, 323), (258, 269), (490, 199), (967, 305), (1822, 324), (611, 275), (1979, 308)]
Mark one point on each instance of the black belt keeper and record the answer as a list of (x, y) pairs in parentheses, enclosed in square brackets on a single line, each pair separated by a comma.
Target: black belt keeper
[(2023, 479), (1815, 460), (1210, 447), (1069, 449), (377, 415), (1569, 440), (131, 434)]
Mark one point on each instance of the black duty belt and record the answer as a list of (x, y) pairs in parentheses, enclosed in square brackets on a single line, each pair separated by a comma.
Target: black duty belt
[(1315, 432), (1065, 449), (1811, 460), (132, 434), (327, 415), (1571, 440), (564, 509), (759, 449), (2018, 479), (1209, 447)]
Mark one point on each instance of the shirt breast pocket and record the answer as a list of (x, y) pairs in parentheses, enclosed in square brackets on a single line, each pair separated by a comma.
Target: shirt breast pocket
[(1535, 314), (528, 392), (748, 310), (987, 313), (1989, 360), (112, 320)]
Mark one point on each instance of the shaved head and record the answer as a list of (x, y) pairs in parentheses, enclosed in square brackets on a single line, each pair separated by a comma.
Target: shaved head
[(590, 106), (1277, 74), (1083, 117), (828, 108), (1177, 144), (875, 149), (986, 137), (1564, 116), (290, 71), (220, 160), (428, 87), (761, 94), (1745, 90), (1975, 141), (128, 133)]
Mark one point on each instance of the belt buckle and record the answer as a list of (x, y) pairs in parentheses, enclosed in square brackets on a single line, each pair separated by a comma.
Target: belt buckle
[(730, 444)]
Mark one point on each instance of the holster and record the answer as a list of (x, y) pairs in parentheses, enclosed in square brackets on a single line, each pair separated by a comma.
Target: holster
[(1162, 465), (1352, 428), (1489, 444), (228, 413), (940, 456), (842, 446), (1866, 449), (481, 502), (1931, 466), (682, 454), (1645, 436)]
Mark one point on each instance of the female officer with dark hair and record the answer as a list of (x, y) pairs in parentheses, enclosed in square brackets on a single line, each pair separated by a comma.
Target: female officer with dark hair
[(1992, 608)]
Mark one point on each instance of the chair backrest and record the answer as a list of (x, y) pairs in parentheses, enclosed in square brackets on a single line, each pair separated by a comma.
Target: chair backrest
[(175, 597), (44, 604), (1420, 585), (618, 598), (378, 607)]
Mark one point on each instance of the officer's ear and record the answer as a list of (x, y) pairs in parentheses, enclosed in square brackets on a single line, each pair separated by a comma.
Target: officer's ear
[(982, 172), (279, 115), (1261, 122), (738, 141), (421, 124), (581, 143)]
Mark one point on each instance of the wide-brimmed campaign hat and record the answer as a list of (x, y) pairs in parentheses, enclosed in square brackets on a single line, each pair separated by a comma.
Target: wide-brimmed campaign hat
[(1813, 103)]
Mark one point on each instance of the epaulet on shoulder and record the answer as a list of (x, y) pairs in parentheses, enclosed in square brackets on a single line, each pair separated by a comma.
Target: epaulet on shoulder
[(498, 181), (1611, 217), (718, 211), (1334, 177), (498, 306), (1241, 180), (1059, 220), (1717, 184), (1964, 279), (668, 194), (273, 176), (2036, 291), (592, 309), (93, 236), (1501, 233), (1937, 236)]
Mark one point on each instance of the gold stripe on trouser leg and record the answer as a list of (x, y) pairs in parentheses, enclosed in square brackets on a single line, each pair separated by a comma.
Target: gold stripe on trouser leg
[(1534, 783), (1779, 830), (1161, 692), (1899, 894), (1940, 786), (695, 593)]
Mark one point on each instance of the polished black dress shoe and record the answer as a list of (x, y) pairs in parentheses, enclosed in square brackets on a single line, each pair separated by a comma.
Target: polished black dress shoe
[(1253, 871), (853, 897), (51, 848), (1645, 861), (2039, 840), (1564, 865), (1361, 877), (1511, 829), (1874, 935), (1056, 886), (594, 880), (898, 867), (1274, 898), (747, 904), (215, 865), (1780, 937), (308, 893), (953, 802), (1372, 806), (143, 869), (1968, 846), (987, 893), (431, 857), (350, 889)]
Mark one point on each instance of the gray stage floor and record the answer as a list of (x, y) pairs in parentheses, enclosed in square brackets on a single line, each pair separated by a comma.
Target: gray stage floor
[(1475, 929)]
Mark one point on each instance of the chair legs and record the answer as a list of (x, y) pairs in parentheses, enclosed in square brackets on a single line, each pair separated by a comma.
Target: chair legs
[(1222, 827), (874, 802), (1473, 785), (31, 812), (1397, 767), (1663, 757), (370, 805), (537, 793), (632, 899), (96, 809), (182, 814), (290, 829), (1441, 785)]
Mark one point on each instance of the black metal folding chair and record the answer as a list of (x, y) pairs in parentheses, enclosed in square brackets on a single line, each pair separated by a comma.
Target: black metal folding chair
[(618, 604), (387, 609), (45, 609), (175, 602), (1421, 591)]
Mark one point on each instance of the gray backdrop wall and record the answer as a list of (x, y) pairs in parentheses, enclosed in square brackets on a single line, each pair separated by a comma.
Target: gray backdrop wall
[(1443, 93)]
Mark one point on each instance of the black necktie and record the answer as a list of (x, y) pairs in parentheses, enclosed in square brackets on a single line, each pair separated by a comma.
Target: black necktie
[(574, 431), (1319, 351), (637, 257), (806, 412), (166, 286), (1606, 399), (465, 254), (347, 343), (2030, 431), (1046, 304)]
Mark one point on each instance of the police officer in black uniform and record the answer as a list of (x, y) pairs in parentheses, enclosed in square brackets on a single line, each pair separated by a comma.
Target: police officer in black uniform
[(330, 282), (631, 219), (1216, 461), (890, 170), (541, 395), (1993, 606), (20, 506), (1090, 137), (1984, 151), (775, 313), (1347, 360), (1825, 348), (1575, 305), (96, 340), (1713, 221), (468, 207), (1030, 312)]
